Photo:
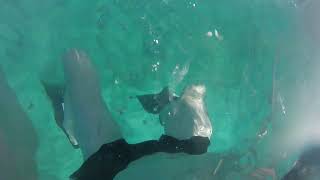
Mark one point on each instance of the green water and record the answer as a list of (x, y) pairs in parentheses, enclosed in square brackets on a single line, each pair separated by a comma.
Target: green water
[(140, 46)]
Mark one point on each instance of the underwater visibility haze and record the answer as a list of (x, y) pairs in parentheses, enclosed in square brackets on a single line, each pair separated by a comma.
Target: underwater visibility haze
[(258, 61)]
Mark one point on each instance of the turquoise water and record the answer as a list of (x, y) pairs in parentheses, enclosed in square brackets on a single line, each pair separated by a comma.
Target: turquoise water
[(245, 52)]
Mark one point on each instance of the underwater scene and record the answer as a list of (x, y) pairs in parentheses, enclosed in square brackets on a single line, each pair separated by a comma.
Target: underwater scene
[(159, 90)]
